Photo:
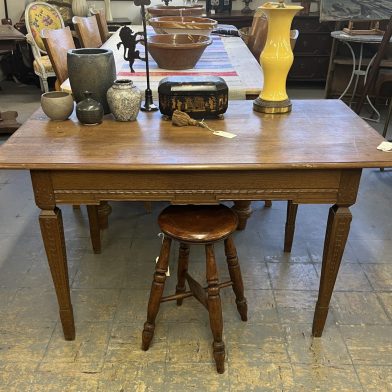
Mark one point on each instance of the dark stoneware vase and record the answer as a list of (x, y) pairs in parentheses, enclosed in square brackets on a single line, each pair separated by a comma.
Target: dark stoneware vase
[(91, 70), (89, 111)]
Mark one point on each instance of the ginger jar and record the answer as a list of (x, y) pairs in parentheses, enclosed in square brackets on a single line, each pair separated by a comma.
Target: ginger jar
[(124, 100)]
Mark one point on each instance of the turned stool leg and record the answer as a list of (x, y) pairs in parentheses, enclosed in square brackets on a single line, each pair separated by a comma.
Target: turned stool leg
[(236, 278), (157, 287), (182, 270), (215, 309)]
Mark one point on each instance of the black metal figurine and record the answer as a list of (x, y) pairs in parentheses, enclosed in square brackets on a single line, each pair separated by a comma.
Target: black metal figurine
[(129, 41), (149, 105)]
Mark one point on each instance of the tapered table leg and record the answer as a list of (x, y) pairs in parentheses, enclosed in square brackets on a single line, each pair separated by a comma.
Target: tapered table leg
[(95, 228), (52, 231), (338, 227), (51, 224), (290, 225), (104, 210), (243, 211)]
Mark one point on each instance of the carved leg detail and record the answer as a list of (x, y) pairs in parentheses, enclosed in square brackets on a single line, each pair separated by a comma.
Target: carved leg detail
[(236, 278), (182, 270), (290, 225), (51, 224), (215, 309), (243, 210), (104, 210), (157, 287), (338, 227), (95, 230)]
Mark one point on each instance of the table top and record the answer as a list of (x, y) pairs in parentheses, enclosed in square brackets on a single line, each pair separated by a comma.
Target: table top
[(8, 32), (317, 134), (364, 39), (228, 57)]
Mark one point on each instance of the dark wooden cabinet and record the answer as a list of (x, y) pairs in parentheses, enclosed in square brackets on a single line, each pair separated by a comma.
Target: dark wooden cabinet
[(312, 50), (235, 18)]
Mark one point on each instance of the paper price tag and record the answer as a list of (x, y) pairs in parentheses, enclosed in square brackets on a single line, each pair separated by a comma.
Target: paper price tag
[(385, 146), (228, 135), (168, 269)]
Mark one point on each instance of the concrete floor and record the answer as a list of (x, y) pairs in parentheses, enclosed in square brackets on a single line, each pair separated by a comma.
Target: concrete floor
[(273, 351)]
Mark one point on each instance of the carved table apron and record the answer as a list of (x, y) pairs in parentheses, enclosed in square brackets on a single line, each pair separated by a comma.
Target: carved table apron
[(91, 187)]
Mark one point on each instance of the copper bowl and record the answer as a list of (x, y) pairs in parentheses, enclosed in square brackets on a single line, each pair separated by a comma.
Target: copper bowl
[(171, 10), (177, 51), (183, 25)]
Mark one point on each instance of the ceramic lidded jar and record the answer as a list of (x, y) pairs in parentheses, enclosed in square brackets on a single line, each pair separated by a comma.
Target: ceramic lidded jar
[(89, 111), (124, 100)]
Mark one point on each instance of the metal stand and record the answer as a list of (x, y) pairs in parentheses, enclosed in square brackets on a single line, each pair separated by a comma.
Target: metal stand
[(148, 105), (358, 72), (376, 66)]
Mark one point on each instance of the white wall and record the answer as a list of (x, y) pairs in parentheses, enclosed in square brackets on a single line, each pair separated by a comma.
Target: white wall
[(15, 9)]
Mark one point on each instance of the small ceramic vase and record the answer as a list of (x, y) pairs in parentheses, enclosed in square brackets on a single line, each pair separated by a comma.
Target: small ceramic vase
[(79, 7), (124, 100), (57, 105), (89, 111)]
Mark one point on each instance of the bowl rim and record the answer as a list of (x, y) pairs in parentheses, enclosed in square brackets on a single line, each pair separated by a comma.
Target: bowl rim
[(56, 94), (176, 7), (206, 41), (181, 22)]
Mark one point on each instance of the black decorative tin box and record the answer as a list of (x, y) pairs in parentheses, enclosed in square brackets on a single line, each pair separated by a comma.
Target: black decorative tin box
[(199, 96)]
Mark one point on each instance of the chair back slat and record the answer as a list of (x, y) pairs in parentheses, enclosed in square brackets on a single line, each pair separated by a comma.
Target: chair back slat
[(88, 31), (102, 24), (57, 43)]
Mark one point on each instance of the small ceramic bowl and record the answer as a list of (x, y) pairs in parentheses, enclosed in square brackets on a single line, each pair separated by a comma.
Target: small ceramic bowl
[(174, 10), (177, 51), (57, 105), (183, 25)]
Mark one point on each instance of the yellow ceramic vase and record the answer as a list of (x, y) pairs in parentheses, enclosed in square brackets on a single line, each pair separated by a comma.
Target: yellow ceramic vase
[(276, 58)]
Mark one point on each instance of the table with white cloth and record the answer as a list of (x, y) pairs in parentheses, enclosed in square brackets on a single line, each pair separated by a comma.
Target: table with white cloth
[(227, 57)]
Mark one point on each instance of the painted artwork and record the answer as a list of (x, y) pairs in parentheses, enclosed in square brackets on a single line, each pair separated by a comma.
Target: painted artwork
[(355, 9)]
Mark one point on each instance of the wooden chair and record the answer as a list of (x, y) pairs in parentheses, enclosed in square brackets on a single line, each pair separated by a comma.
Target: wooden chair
[(383, 88), (87, 31), (102, 24), (40, 15), (202, 225), (57, 43)]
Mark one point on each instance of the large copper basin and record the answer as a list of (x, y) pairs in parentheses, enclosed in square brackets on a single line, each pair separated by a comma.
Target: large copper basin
[(177, 51), (183, 25)]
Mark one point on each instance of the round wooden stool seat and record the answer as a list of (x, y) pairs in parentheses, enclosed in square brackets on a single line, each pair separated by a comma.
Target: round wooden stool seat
[(198, 223)]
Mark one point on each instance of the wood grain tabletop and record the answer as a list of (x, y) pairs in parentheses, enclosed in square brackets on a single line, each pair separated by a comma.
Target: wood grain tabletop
[(316, 134)]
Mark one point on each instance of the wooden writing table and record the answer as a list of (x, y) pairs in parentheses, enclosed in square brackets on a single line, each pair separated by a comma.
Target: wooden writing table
[(315, 154)]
